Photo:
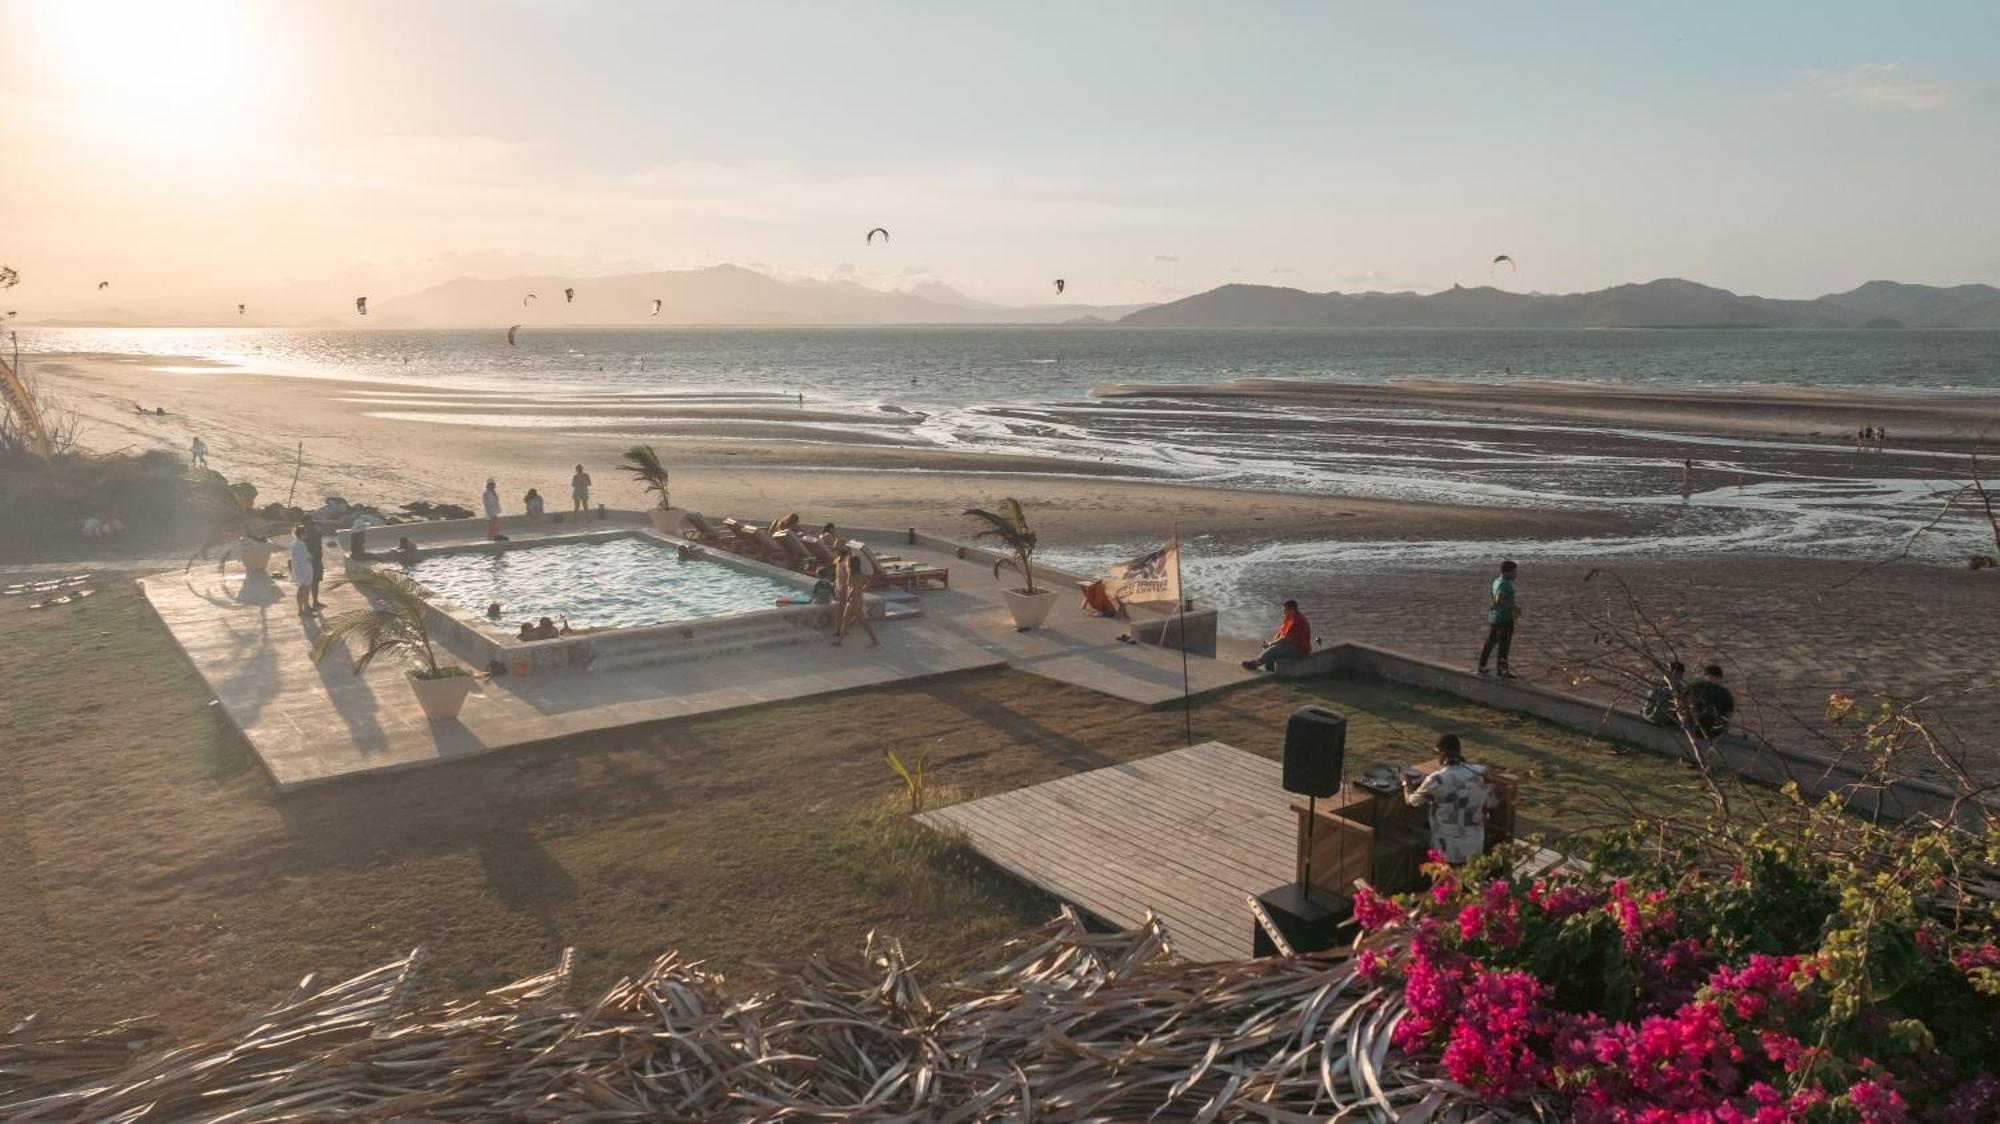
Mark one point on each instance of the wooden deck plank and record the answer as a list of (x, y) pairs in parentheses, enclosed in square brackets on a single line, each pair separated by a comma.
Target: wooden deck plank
[(1185, 834)]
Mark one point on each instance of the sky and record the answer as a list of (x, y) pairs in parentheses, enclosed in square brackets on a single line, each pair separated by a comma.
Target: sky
[(1142, 151)]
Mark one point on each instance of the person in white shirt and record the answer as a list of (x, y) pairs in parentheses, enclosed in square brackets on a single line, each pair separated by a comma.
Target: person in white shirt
[(304, 572), (490, 501), (579, 491), (1458, 797)]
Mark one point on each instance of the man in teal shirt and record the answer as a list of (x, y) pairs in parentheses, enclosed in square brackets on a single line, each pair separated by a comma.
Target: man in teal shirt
[(1500, 615)]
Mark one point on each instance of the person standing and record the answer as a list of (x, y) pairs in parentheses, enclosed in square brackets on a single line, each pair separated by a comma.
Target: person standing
[(1292, 641), (1500, 616), (198, 453), (489, 501), (579, 492), (850, 598), (1687, 479), (315, 546), (301, 560), (1458, 797)]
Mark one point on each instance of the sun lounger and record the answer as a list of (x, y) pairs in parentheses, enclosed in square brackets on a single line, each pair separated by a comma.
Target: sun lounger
[(910, 575), (795, 554), (822, 554), (740, 539), (704, 531), (767, 546)]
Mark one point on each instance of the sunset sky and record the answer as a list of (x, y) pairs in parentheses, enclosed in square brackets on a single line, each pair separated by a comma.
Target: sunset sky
[(1143, 151)]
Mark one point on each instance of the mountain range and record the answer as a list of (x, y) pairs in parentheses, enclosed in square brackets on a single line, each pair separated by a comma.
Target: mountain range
[(1666, 303), (734, 295), (721, 294)]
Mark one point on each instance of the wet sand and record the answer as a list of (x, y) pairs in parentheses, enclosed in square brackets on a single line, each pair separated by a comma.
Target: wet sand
[(254, 424), (1949, 420)]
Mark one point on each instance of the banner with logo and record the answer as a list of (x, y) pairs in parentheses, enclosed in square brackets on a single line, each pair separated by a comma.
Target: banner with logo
[(22, 405), (1149, 577)]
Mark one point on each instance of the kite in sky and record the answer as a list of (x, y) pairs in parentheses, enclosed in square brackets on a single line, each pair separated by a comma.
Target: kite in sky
[(361, 305), (510, 335), (103, 285), (1059, 286), (239, 310), (569, 296), (1509, 261), (529, 297), (881, 230), (656, 307)]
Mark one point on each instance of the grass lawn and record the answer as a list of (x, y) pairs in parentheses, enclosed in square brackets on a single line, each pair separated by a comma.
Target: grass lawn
[(147, 866)]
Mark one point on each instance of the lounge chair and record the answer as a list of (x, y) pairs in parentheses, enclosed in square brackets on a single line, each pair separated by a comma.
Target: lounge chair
[(767, 546), (795, 554), (706, 532), (741, 540), (910, 575), (822, 554)]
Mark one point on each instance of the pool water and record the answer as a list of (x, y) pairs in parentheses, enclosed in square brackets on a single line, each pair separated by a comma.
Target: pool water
[(614, 584)]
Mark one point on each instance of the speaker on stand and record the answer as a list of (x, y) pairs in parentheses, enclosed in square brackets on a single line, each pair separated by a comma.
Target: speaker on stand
[(1289, 917)]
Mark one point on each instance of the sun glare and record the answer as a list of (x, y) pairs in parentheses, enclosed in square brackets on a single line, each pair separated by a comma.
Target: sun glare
[(179, 77)]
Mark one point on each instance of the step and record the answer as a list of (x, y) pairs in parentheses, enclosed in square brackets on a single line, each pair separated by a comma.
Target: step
[(718, 646)]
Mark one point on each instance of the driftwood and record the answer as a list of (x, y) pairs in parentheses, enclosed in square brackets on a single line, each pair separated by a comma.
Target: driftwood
[(1071, 1025)]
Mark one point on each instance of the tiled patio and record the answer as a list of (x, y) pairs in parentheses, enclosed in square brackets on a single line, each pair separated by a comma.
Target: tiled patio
[(313, 722)]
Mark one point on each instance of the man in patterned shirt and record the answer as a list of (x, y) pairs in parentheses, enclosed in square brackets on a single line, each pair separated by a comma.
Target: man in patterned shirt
[(1458, 796)]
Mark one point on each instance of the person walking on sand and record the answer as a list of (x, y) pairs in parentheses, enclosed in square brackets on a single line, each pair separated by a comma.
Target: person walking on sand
[(579, 492), (302, 569), (198, 453), (1687, 480), (489, 501), (1501, 613), (850, 600), (1292, 641)]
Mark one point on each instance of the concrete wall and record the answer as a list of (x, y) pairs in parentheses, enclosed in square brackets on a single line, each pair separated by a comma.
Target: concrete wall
[(1815, 775)]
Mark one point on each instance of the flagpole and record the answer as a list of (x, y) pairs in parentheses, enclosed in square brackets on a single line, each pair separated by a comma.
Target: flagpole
[(1187, 697)]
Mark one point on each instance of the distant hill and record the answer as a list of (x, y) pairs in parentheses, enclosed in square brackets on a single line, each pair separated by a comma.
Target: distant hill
[(1667, 303), (722, 294)]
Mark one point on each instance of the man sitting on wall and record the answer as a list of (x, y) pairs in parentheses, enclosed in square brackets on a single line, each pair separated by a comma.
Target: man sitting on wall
[(1293, 641)]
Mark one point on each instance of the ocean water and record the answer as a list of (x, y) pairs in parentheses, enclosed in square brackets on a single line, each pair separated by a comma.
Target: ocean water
[(1026, 391)]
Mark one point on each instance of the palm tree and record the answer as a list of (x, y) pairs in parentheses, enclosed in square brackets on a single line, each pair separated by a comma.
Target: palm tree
[(1010, 527), (644, 465), (392, 625)]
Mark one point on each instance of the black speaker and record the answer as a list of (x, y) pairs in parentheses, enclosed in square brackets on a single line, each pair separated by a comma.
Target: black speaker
[(1315, 750)]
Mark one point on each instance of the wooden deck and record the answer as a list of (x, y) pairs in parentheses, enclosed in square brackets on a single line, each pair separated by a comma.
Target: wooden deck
[(1185, 834)]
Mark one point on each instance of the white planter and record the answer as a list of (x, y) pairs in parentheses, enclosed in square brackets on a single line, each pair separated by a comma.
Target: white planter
[(255, 556), (441, 698), (1030, 610), (664, 521)]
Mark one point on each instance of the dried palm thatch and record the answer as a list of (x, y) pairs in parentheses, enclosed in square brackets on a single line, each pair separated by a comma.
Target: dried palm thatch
[(1073, 1025)]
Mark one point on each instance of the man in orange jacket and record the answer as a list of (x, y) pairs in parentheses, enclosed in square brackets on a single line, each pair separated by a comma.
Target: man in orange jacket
[(1293, 640)]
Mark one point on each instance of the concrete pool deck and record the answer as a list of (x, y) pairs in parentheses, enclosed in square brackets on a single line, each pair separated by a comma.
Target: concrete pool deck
[(312, 722)]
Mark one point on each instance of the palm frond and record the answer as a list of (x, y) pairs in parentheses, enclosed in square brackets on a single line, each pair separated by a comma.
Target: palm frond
[(392, 625), (1010, 526), (646, 468)]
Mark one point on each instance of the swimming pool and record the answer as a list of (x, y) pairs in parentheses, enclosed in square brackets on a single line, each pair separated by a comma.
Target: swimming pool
[(618, 583)]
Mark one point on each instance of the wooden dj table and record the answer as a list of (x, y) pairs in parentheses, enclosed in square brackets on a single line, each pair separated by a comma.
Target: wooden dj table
[(1379, 838)]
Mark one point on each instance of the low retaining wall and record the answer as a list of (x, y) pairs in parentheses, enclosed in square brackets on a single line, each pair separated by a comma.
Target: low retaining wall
[(1815, 775)]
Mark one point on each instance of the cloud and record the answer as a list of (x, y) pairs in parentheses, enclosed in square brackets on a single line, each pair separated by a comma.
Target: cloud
[(1883, 85)]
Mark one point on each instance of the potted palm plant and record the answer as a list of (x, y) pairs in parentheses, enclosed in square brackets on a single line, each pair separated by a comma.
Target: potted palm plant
[(393, 624), (1009, 527), (645, 467)]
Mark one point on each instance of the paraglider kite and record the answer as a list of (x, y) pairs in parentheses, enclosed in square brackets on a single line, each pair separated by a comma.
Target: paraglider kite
[(1059, 286), (881, 230), (239, 310), (510, 335), (1509, 261), (569, 296), (526, 299), (103, 285), (361, 305), (656, 308)]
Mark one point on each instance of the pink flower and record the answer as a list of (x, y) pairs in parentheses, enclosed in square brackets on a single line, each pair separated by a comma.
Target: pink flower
[(1372, 911), (1878, 1103)]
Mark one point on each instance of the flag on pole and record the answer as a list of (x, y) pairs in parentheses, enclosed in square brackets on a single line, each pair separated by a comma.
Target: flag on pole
[(1149, 577)]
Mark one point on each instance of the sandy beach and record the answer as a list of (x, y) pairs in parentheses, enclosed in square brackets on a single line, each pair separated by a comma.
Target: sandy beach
[(1944, 420)]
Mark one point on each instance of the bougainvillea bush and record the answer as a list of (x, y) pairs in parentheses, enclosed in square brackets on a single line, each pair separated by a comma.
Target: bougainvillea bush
[(1807, 967)]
